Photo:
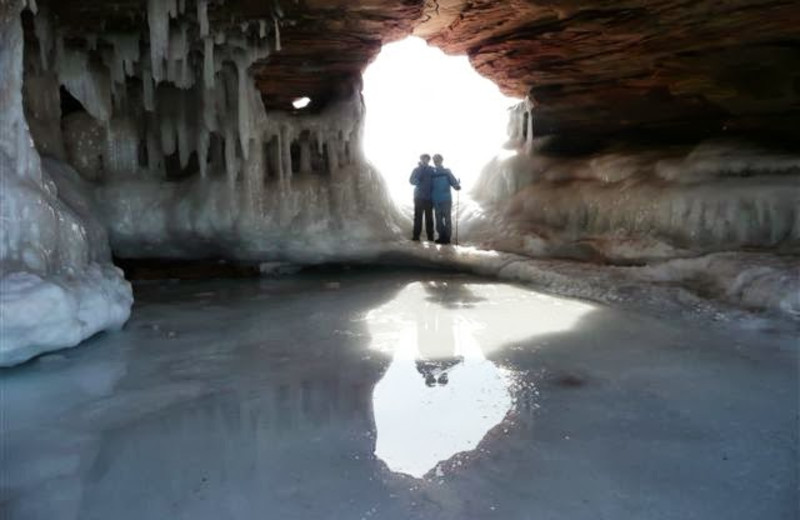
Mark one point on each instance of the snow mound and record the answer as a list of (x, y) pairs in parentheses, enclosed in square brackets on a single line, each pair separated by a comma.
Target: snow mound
[(43, 314)]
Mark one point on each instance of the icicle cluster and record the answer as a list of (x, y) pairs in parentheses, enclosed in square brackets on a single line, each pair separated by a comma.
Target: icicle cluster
[(115, 76), (178, 102)]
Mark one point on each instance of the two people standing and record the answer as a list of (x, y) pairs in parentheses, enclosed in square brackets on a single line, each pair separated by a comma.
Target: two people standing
[(432, 196)]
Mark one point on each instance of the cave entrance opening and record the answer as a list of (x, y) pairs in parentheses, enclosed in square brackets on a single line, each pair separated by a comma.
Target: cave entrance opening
[(419, 100)]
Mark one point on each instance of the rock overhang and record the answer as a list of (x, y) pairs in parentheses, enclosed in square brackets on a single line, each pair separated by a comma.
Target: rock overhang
[(700, 68)]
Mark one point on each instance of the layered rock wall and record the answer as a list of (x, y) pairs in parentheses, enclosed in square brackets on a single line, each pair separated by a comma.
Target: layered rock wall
[(678, 70)]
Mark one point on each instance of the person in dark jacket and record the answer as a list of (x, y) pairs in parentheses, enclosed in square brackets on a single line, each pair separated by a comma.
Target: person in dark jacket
[(443, 180), (421, 179)]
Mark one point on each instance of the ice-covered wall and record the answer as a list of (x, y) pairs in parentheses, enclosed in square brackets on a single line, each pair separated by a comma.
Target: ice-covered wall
[(184, 159), (57, 284), (638, 204)]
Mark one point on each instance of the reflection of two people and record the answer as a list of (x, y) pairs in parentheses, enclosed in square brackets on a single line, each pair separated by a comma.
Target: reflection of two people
[(436, 345), (434, 339)]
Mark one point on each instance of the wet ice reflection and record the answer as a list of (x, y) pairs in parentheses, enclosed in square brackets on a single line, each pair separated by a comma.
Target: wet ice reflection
[(441, 395)]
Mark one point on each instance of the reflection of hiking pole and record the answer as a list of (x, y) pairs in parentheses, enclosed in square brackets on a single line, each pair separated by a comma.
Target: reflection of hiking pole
[(458, 199)]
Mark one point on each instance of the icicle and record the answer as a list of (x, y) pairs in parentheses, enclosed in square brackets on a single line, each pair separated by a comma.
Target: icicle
[(158, 22), (208, 63), (168, 143), (148, 92), (305, 157), (43, 29), (245, 108), (262, 29), (119, 95), (187, 76), (171, 7), (126, 49), (230, 155), (277, 35), (529, 139), (154, 154), (209, 119), (287, 156), (87, 83), (59, 44), (279, 135), (202, 17), (115, 65), (181, 6), (32, 6), (184, 150), (203, 142)]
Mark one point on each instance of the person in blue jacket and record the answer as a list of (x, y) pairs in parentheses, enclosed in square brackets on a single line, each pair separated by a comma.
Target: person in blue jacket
[(423, 206), (443, 180)]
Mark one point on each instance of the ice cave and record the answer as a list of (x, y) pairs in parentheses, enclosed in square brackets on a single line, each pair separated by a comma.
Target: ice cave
[(211, 305)]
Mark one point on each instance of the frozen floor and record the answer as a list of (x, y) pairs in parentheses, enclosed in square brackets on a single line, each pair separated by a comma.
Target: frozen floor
[(401, 395)]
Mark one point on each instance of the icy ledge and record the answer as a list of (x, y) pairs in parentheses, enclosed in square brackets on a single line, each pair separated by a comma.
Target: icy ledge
[(43, 314), (746, 287)]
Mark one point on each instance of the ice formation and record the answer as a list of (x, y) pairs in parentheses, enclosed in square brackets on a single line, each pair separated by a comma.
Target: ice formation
[(57, 284), (204, 169), (634, 205)]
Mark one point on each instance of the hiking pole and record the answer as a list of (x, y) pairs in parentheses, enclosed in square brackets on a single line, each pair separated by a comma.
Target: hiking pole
[(458, 199)]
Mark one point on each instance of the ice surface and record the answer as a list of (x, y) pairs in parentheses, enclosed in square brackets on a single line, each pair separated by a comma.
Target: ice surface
[(440, 379), (219, 400)]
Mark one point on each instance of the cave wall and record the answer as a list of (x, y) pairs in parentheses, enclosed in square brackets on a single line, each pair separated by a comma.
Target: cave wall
[(630, 203)]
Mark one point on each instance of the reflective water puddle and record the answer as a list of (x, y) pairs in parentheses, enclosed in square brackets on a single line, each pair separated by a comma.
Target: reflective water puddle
[(441, 395)]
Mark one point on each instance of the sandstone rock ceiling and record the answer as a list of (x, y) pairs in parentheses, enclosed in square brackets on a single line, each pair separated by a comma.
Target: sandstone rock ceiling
[(589, 67)]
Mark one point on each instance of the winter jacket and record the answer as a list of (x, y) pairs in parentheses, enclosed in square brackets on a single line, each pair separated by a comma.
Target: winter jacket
[(421, 178), (443, 179)]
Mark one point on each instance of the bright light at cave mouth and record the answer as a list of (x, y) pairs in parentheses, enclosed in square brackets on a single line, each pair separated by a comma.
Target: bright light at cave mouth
[(301, 102), (420, 100)]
